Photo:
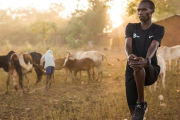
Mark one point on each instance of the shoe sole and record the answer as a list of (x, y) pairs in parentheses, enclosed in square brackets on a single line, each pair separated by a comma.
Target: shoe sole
[(145, 113)]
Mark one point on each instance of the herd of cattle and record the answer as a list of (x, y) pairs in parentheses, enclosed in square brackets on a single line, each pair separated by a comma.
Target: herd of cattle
[(19, 64)]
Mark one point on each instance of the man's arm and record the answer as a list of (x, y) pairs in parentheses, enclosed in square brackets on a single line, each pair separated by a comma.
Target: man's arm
[(128, 46), (128, 49), (142, 62), (152, 49)]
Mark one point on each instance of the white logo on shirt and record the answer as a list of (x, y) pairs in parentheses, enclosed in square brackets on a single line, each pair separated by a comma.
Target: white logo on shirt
[(151, 36), (135, 36)]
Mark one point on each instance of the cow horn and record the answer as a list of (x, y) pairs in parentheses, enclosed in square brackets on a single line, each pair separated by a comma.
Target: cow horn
[(68, 54)]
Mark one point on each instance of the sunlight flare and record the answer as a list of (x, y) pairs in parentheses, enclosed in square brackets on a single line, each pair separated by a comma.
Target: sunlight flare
[(116, 11)]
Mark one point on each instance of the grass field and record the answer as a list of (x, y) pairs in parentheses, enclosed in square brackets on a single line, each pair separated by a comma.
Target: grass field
[(80, 100)]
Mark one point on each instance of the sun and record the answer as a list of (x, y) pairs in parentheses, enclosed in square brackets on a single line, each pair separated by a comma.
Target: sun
[(116, 11)]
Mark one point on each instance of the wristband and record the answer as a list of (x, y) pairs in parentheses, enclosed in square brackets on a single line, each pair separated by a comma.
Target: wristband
[(148, 61)]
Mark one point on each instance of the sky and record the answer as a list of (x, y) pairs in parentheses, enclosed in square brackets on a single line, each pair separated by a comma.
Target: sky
[(116, 10), (69, 5)]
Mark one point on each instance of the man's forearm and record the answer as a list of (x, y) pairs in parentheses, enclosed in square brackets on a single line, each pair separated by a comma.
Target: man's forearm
[(152, 49), (128, 47), (150, 53), (128, 50)]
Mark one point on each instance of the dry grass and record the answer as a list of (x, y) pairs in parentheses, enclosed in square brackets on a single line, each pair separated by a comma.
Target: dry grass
[(79, 100)]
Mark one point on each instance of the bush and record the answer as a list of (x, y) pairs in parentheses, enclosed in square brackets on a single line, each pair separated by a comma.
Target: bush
[(74, 43)]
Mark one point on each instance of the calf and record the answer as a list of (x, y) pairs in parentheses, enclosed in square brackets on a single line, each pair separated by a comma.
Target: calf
[(20, 63), (79, 65)]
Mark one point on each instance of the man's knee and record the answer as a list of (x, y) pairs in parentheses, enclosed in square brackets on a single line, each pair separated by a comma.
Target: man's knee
[(139, 72)]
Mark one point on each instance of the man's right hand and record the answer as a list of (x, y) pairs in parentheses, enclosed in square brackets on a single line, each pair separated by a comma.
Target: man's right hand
[(131, 57)]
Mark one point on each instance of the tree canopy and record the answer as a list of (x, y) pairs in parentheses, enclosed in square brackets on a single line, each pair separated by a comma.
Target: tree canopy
[(163, 8)]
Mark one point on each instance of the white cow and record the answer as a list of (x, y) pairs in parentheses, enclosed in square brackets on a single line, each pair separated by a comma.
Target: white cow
[(162, 64), (169, 54), (97, 58)]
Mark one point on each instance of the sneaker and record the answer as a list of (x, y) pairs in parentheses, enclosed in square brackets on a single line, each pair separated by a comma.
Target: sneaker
[(140, 111)]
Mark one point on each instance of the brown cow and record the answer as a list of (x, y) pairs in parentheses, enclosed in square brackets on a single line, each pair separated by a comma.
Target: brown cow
[(79, 65), (59, 65)]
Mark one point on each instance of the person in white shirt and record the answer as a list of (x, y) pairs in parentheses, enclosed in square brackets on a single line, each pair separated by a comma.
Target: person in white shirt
[(49, 66)]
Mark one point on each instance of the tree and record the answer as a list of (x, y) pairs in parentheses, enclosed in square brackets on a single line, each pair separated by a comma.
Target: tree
[(43, 28), (163, 9), (85, 25)]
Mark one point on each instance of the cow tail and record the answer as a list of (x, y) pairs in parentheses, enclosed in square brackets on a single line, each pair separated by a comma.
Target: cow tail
[(103, 56)]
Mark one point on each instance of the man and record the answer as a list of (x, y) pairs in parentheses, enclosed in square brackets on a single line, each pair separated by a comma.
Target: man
[(49, 66), (142, 41)]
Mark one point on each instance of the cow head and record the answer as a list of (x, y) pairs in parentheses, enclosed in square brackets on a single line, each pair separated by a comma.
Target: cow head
[(41, 68), (9, 55)]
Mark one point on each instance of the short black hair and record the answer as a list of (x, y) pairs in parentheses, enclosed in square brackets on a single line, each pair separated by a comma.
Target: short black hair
[(151, 4)]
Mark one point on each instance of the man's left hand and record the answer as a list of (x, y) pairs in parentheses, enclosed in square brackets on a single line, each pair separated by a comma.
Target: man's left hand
[(139, 63)]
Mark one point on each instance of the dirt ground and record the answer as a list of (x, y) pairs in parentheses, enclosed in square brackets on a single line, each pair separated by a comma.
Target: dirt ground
[(83, 100)]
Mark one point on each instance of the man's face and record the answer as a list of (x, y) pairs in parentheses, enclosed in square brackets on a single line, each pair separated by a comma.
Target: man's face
[(144, 12)]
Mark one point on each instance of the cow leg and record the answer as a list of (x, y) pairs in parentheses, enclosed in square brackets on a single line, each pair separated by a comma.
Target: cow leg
[(66, 70), (89, 75), (169, 64), (72, 75), (101, 76), (80, 75), (21, 85), (27, 81), (155, 86), (15, 83), (93, 73), (176, 62), (178, 66), (18, 71), (163, 79), (7, 82), (75, 75), (99, 73), (175, 66), (14, 75), (39, 75)]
